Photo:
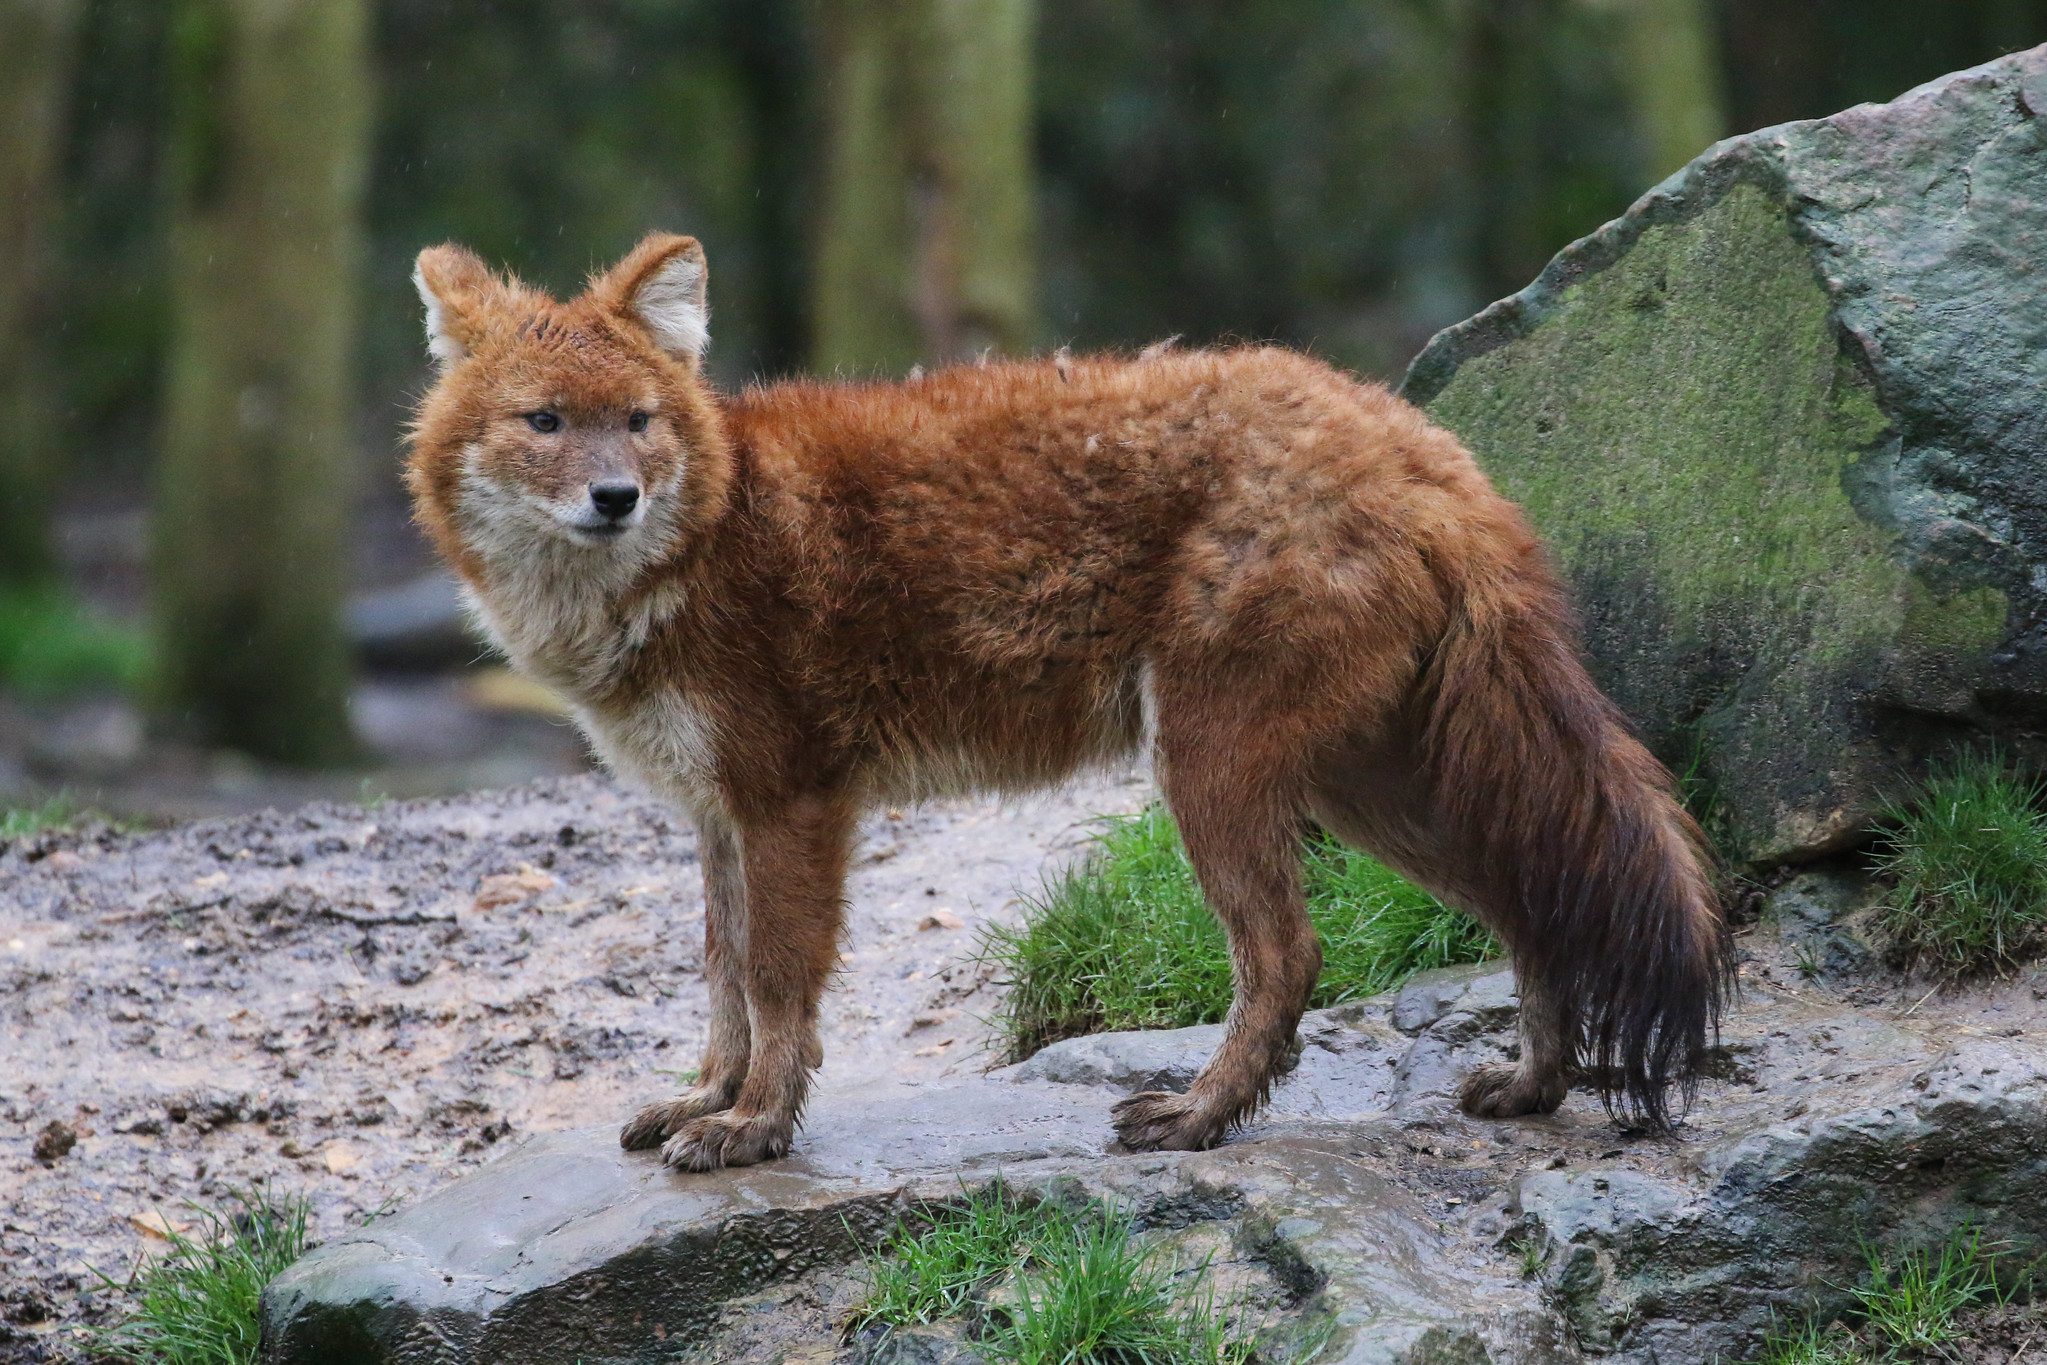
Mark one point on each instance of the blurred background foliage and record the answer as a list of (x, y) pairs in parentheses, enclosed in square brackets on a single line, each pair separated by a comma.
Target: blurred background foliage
[(876, 182), (1346, 174)]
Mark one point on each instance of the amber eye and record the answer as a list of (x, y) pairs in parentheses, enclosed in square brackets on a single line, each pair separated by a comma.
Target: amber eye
[(543, 421), (636, 422)]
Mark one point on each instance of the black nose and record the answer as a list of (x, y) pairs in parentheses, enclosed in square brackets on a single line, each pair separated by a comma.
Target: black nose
[(615, 500)]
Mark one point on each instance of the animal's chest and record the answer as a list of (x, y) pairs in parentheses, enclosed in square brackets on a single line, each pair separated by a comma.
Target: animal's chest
[(651, 734), (660, 741)]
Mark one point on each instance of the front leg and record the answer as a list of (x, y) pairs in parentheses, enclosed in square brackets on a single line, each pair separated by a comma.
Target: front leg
[(723, 1069), (795, 869)]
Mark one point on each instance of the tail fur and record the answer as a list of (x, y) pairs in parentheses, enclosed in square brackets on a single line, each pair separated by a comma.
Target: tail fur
[(1594, 874)]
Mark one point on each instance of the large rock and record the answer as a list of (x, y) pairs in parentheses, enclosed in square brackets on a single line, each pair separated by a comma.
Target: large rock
[(1363, 1206), (1772, 1220), (570, 1249), (1782, 425)]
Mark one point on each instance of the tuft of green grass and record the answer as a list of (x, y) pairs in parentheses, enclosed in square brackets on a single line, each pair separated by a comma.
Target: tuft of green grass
[(1969, 866), (56, 813), (1699, 792), (60, 812), (50, 645), (1811, 1344), (929, 1272), (1910, 1303), (196, 1304), (1123, 939), (1378, 928), (1086, 1290), (1910, 1306), (1095, 1297)]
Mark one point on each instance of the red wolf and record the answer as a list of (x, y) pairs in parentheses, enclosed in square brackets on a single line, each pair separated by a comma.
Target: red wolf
[(781, 607)]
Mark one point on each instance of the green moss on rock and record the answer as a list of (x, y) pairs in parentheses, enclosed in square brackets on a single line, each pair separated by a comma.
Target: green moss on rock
[(1799, 560), (1678, 428)]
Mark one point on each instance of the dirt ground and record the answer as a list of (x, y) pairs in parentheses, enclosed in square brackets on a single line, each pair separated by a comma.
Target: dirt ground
[(356, 1003), (2008, 1334)]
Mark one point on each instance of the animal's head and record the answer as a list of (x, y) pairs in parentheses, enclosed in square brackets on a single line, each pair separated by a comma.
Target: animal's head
[(573, 436)]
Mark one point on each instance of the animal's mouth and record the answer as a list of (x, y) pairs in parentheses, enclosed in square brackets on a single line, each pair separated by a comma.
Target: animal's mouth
[(588, 526)]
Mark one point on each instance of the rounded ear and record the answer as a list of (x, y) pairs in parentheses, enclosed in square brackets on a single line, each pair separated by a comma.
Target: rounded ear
[(454, 285), (661, 286)]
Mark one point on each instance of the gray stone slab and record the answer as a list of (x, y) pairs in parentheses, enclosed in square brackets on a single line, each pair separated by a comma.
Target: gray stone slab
[(570, 1248), (1362, 1200)]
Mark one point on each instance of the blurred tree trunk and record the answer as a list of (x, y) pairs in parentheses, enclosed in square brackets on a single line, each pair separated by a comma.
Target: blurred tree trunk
[(1777, 57), (1670, 53), (972, 142), (39, 38), (270, 124), (1510, 45), (861, 315), (1577, 106), (924, 247)]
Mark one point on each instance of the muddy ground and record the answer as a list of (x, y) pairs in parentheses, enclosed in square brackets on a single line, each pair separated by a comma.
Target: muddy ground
[(356, 1003)]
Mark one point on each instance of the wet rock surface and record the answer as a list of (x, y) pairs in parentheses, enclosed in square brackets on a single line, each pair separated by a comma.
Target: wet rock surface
[(1780, 424), (1362, 1210), (570, 1249), (369, 1002)]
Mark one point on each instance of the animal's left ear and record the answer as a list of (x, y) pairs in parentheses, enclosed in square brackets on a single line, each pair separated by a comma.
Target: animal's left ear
[(660, 285)]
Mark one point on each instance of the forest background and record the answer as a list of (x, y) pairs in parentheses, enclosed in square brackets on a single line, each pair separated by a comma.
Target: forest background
[(208, 210)]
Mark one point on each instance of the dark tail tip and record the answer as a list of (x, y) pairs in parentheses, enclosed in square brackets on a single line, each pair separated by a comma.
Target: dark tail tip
[(1655, 994)]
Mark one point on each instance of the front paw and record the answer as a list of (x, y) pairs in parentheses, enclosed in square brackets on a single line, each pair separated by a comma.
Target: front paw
[(1159, 1121), (1505, 1092), (654, 1125), (706, 1144)]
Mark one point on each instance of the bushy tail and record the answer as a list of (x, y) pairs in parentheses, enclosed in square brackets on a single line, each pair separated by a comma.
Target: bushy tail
[(1593, 873)]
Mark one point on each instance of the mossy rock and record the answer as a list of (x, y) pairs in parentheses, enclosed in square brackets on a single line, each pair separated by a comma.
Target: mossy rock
[(1783, 426)]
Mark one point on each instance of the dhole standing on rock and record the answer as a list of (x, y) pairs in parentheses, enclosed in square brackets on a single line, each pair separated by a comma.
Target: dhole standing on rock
[(781, 608)]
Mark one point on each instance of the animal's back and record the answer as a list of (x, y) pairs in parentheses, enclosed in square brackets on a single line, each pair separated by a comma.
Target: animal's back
[(1035, 502), (980, 563)]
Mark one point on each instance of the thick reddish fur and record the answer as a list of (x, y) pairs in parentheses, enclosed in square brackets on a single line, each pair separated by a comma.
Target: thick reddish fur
[(1309, 596)]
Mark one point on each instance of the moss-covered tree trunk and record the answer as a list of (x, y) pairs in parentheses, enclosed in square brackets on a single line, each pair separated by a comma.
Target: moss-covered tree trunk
[(860, 314), (38, 37), (1671, 57), (924, 249), (270, 126), (973, 157)]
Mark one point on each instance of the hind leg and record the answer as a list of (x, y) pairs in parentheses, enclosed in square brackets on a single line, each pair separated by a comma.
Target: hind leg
[(1537, 1083), (1369, 796), (723, 1068), (1243, 838)]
